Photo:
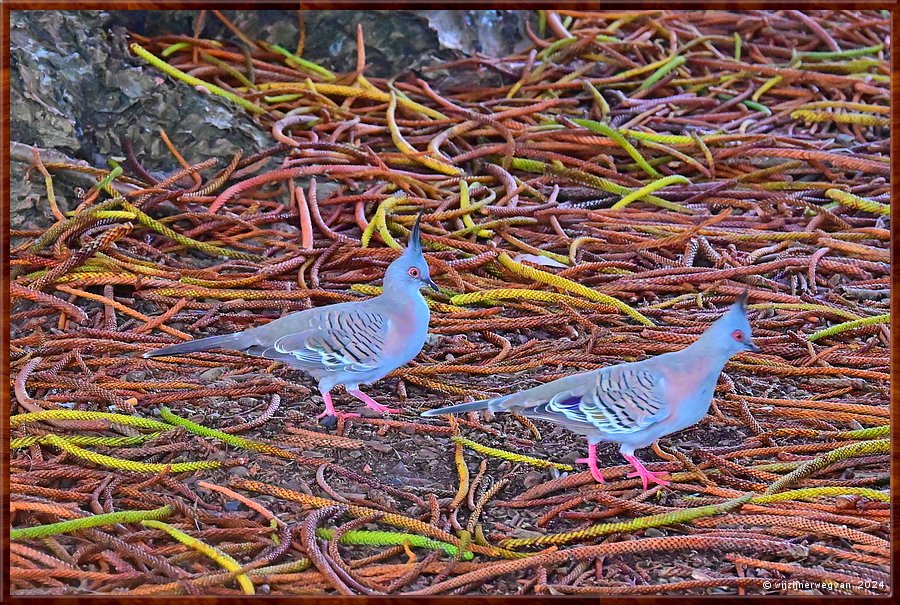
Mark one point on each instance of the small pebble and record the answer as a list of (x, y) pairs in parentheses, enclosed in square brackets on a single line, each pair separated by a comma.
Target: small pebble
[(212, 374), (379, 446)]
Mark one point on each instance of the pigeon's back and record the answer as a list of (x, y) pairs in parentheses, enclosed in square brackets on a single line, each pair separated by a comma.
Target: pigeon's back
[(614, 400), (342, 337)]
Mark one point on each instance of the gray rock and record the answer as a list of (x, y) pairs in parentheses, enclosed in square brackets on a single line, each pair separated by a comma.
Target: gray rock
[(75, 88), (396, 40), (78, 93)]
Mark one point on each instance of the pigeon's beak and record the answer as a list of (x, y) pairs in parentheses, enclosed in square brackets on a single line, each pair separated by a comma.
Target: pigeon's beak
[(751, 346), (432, 285)]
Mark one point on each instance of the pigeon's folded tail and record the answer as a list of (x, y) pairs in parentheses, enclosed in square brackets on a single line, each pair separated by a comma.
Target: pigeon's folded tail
[(224, 341), (494, 405)]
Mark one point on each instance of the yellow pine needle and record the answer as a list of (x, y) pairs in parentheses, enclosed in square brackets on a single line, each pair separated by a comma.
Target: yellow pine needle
[(71, 525), (465, 206), (883, 109), (862, 119), (628, 74), (410, 151), (371, 93), (463, 470), (23, 442), (615, 135), (862, 448), (596, 182), (303, 63), (668, 139), (766, 86), (856, 202), (48, 183), (465, 538), (177, 588), (662, 71), (850, 325), (237, 75), (387, 538), (604, 529), (650, 188), (364, 83), (115, 214), (818, 492), (490, 296), (104, 183), (122, 419), (498, 453), (379, 222), (875, 432), (602, 105), (567, 284), (210, 249), (188, 79), (174, 48), (129, 465), (459, 213), (241, 442), (841, 54), (223, 559), (805, 307)]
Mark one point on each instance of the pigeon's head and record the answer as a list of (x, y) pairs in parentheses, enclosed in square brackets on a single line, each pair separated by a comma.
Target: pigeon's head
[(410, 270), (731, 332)]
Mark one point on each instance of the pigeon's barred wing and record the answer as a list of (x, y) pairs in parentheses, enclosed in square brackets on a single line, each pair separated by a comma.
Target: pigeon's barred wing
[(340, 340), (619, 401)]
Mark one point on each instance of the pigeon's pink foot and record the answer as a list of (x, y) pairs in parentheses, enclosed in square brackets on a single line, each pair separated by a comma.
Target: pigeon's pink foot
[(371, 403), (329, 407), (646, 476), (591, 461), (330, 412)]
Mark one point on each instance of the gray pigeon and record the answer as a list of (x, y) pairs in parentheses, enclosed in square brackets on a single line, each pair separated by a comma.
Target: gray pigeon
[(633, 404), (348, 343)]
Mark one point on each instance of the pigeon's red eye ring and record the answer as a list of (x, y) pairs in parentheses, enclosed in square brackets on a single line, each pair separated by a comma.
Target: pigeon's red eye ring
[(413, 272), (738, 335)]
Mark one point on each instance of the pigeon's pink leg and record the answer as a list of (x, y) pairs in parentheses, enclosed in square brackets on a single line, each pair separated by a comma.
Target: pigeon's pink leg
[(329, 409), (643, 473), (591, 461), (372, 403)]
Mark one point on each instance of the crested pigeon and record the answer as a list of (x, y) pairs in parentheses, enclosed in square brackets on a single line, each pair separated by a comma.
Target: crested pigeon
[(633, 404), (349, 343)]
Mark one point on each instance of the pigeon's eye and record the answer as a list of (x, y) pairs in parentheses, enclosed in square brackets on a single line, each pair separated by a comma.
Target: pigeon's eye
[(413, 272), (738, 335)]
